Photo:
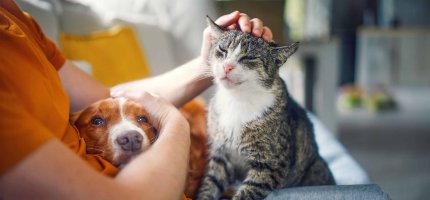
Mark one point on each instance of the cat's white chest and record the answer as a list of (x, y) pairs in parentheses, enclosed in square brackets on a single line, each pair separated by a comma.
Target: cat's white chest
[(235, 110)]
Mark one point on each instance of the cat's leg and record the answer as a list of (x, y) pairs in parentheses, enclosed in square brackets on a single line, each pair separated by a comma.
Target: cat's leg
[(219, 175), (261, 179), (318, 174)]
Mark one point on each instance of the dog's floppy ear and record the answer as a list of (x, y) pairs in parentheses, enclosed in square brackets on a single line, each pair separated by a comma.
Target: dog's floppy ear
[(74, 117)]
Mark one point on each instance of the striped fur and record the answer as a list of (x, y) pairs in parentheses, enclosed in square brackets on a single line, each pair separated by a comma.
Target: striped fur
[(259, 136)]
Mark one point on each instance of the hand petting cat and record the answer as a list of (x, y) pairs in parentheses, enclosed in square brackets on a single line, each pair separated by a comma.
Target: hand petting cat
[(180, 85), (240, 21)]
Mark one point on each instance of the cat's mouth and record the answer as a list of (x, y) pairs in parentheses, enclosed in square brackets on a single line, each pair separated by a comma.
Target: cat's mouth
[(229, 82)]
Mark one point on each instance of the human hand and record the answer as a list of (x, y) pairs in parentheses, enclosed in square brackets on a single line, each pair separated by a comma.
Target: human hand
[(164, 114), (236, 20)]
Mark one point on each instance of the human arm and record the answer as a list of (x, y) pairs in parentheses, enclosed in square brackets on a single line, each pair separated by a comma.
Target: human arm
[(178, 86), (81, 88), (190, 79), (55, 172)]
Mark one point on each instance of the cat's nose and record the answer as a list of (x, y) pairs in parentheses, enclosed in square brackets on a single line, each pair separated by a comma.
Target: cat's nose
[(228, 68)]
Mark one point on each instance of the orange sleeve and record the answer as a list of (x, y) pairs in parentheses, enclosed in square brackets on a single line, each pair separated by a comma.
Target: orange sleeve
[(51, 51), (20, 132)]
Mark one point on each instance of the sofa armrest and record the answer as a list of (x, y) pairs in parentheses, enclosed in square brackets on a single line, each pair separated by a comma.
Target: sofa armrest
[(345, 169)]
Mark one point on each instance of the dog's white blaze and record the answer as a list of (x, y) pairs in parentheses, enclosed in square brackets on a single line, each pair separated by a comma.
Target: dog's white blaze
[(125, 125)]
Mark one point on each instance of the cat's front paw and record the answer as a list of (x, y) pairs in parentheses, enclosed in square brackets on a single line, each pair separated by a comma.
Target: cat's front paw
[(205, 198), (242, 196), (206, 195), (249, 194)]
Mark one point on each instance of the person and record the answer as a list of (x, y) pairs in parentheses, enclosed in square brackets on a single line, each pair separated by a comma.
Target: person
[(39, 147)]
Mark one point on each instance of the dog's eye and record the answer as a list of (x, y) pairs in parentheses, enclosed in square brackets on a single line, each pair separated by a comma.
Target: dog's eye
[(142, 119), (97, 121)]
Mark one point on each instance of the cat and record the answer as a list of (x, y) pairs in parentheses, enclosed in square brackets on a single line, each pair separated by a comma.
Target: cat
[(258, 134)]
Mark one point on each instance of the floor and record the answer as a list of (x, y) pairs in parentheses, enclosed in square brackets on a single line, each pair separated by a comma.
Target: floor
[(394, 147)]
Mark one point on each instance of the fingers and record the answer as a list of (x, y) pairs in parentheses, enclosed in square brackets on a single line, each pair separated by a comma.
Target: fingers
[(239, 21), (155, 105), (233, 27), (164, 116), (267, 34), (244, 23), (257, 27), (253, 26), (229, 19)]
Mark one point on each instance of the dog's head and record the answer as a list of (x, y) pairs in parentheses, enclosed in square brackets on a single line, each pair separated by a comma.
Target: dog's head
[(116, 129)]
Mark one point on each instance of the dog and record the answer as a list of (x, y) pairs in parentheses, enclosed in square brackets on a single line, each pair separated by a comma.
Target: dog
[(116, 129), (119, 129)]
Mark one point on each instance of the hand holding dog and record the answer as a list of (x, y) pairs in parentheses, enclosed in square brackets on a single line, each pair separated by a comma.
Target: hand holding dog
[(167, 159), (166, 115)]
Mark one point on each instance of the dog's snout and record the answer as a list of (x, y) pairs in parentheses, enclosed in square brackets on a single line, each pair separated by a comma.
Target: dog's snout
[(130, 141)]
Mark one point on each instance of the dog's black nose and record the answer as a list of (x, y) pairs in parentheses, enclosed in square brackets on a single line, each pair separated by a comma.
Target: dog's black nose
[(130, 141)]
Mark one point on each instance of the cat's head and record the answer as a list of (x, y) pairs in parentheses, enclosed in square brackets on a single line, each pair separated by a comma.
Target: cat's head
[(239, 59)]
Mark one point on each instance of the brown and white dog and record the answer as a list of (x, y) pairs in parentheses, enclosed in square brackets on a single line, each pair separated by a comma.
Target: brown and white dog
[(118, 129)]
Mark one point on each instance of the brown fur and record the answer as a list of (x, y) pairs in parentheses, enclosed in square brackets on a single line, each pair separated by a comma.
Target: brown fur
[(97, 137), (195, 113)]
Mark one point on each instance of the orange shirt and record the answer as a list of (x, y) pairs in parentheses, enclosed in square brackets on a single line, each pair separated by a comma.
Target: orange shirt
[(34, 106)]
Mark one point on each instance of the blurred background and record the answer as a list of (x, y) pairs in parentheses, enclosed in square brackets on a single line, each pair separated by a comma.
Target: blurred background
[(363, 66)]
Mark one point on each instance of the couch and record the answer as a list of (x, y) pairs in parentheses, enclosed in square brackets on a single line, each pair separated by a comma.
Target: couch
[(160, 41)]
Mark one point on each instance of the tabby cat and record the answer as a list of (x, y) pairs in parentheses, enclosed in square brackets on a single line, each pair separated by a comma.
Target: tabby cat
[(259, 136)]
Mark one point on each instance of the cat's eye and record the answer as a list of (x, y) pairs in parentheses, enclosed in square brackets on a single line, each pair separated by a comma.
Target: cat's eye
[(142, 119), (98, 121), (220, 52), (248, 58)]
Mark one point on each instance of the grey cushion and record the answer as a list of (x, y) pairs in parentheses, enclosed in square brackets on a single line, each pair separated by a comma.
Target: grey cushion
[(345, 192), (345, 169)]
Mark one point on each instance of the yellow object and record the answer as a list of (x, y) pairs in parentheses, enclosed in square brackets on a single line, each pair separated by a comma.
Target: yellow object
[(115, 54)]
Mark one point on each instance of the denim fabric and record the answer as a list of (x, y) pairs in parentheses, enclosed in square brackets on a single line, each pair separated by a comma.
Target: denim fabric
[(340, 192)]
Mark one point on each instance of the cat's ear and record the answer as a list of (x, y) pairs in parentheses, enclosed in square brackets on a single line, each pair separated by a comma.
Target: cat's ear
[(283, 53), (216, 30)]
